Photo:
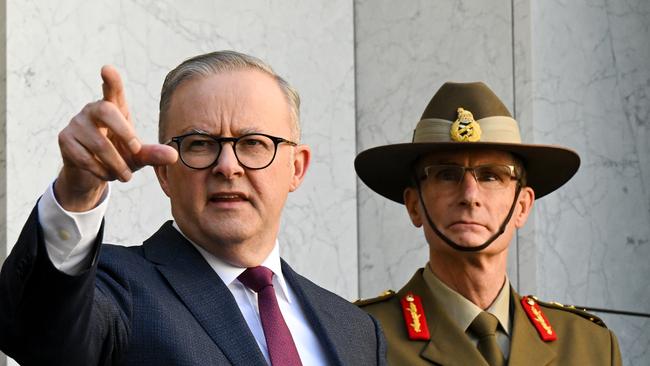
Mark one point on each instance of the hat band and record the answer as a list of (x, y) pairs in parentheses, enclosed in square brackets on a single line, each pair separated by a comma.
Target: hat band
[(499, 129)]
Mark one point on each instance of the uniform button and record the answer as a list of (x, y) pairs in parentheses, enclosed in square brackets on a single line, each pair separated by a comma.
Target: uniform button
[(64, 234)]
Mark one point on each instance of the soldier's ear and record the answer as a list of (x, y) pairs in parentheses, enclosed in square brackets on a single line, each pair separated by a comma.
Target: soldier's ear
[(525, 204), (412, 203)]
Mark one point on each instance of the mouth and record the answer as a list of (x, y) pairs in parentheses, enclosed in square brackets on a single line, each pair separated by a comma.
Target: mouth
[(466, 224), (227, 197)]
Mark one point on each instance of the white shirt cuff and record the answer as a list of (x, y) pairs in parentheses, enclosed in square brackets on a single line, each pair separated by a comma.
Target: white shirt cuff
[(69, 235)]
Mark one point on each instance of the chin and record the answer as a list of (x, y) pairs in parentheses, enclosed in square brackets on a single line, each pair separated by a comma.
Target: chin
[(227, 234), (469, 245), (469, 241)]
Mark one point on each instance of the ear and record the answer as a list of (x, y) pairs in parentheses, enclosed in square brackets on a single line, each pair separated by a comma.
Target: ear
[(161, 174), (300, 163), (525, 203), (412, 203)]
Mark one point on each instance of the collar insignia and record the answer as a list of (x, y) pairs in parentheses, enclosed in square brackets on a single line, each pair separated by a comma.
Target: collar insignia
[(414, 319), (465, 128), (539, 320)]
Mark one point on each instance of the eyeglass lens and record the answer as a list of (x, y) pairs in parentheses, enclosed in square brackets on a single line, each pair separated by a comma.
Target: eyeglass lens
[(494, 176), (252, 151)]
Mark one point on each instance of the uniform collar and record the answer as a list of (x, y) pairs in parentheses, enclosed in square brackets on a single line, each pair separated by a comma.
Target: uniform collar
[(462, 311), (229, 273)]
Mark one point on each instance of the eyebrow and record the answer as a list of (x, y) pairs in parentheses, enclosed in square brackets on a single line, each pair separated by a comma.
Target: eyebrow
[(441, 162), (241, 132), (446, 162), (198, 130), (248, 130)]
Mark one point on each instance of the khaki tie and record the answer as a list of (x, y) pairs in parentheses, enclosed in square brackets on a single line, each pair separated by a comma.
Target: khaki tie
[(484, 328)]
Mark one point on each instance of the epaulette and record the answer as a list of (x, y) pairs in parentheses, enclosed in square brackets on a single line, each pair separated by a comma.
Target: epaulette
[(383, 297), (414, 319), (572, 309), (538, 319)]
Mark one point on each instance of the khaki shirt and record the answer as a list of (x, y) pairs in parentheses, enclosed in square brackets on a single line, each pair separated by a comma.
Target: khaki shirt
[(462, 312), (580, 341)]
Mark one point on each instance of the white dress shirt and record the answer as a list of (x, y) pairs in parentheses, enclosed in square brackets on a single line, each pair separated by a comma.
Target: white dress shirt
[(69, 237)]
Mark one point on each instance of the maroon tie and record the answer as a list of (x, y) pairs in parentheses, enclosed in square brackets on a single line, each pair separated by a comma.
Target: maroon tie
[(282, 350)]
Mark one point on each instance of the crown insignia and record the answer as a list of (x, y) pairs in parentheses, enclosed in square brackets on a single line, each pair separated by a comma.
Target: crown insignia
[(465, 128)]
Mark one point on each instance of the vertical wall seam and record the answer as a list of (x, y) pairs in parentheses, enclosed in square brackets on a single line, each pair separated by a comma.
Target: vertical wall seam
[(514, 108), (3, 142), (356, 141)]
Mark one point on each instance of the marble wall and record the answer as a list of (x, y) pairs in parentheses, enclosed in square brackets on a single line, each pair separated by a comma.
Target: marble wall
[(3, 124), (591, 91), (573, 73)]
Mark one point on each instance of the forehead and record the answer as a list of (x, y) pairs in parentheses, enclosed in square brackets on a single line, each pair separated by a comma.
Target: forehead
[(468, 157), (233, 102)]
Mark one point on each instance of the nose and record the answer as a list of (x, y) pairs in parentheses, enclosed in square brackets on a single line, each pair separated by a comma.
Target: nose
[(469, 190), (227, 163)]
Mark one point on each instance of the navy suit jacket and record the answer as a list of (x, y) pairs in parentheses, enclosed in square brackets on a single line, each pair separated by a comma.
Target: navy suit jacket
[(155, 304)]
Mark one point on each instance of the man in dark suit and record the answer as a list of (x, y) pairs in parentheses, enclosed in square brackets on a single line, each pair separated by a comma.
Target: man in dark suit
[(469, 182), (208, 288)]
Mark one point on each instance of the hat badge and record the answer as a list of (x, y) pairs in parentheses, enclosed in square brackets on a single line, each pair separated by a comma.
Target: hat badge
[(465, 128)]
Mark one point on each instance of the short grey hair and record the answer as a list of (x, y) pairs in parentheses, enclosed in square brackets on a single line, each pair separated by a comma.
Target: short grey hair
[(218, 62)]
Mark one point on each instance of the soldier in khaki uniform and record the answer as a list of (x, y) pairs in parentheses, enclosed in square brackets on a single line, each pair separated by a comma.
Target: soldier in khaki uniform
[(469, 182)]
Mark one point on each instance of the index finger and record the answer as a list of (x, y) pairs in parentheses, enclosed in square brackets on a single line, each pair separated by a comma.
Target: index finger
[(113, 91), (113, 88)]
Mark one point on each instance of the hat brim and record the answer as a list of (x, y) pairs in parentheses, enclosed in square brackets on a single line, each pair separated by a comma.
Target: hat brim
[(387, 169)]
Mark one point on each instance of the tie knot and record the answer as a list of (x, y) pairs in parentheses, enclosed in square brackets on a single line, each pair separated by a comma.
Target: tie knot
[(256, 278), (485, 324)]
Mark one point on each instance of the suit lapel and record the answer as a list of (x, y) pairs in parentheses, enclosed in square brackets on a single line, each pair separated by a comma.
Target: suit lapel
[(320, 318), (204, 294), (449, 345), (526, 347)]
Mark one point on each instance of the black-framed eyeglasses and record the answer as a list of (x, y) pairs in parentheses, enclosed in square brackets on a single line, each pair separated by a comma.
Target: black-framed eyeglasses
[(254, 151), (489, 176)]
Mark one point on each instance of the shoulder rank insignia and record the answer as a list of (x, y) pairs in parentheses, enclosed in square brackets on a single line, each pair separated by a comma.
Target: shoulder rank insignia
[(416, 322), (539, 320), (383, 297), (465, 128), (572, 309)]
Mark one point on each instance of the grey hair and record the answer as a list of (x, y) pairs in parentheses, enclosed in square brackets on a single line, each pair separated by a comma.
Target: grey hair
[(218, 62)]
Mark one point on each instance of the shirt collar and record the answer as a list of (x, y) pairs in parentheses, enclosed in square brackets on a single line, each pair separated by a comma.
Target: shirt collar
[(229, 273), (462, 311), (501, 306)]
